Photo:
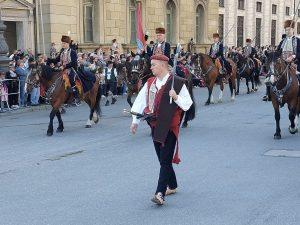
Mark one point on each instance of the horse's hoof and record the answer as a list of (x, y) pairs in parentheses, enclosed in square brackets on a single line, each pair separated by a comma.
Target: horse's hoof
[(96, 121), (49, 133), (207, 103), (220, 101), (59, 130), (248, 92), (277, 136), (88, 126), (184, 125), (63, 111), (293, 130), (237, 93)]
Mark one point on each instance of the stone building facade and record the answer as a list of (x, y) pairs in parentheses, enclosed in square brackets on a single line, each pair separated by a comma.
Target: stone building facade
[(261, 20), (18, 16), (96, 22)]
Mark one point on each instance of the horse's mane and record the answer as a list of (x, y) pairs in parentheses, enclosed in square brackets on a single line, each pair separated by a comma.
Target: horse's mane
[(47, 72)]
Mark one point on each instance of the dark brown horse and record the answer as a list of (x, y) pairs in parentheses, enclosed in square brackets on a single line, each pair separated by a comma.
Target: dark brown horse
[(284, 90), (138, 72), (210, 73), (245, 70), (58, 94)]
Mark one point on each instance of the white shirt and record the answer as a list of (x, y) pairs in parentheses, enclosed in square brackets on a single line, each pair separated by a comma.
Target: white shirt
[(109, 73), (288, 47), (184, 100)]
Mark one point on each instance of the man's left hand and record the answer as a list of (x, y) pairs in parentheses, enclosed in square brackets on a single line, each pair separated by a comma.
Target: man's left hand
[(173, 94)]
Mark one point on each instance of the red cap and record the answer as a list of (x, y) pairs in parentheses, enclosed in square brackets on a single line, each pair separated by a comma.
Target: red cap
[(160, 57)]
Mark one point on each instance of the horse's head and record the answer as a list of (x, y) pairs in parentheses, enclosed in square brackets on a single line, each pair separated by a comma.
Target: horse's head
[(137, 66), (275, 65), (33, 78)]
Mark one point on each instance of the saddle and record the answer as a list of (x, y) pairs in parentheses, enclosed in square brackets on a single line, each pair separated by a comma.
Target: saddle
[(68, 84)]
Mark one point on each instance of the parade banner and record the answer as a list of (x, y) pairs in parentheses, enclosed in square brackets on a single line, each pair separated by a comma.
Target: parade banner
[(140, 34)]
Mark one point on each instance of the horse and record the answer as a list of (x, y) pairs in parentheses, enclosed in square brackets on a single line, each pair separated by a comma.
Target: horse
[(58, 93), (284, 90), (138, 72), (244, 70), (210, 73), (191, 112)]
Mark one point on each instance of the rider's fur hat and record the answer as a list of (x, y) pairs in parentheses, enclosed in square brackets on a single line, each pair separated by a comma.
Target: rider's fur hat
[(216, 35), (65, 39), (160, 57), (160, 30), (248, 40), (289, 23)]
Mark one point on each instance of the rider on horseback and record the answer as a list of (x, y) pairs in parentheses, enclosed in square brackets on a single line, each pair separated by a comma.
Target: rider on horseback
[(217, 52), (249, 52), (289, 48), (68, 61)]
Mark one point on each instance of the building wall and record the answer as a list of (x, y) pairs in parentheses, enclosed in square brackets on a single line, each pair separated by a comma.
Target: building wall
[(111, 20), (231, 12)]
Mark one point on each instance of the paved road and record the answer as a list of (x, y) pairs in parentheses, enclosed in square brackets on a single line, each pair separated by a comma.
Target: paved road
[(104, 175)]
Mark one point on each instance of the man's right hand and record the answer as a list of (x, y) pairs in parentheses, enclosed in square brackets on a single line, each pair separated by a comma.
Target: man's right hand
[(133, 128)]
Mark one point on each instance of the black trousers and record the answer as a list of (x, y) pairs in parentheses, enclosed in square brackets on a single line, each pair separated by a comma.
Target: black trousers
[(165, 154), (112, 87)]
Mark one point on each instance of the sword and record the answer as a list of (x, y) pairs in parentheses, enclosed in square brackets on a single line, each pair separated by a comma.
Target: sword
[(233, 25), (139, 115), (174, 69)]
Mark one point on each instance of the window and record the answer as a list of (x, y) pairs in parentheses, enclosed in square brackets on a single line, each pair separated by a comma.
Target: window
[(258, 32), (258, 6), (241, 4), (221, 26), (240, 31), (273, 33), (88, 12), (298, 28), (287, 11), (221, 3), (132, 15), (199, 24), (274, 9), (298, 12), (171, 19)]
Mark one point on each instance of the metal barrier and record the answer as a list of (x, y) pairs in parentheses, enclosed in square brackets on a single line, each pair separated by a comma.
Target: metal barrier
[(4, 93)]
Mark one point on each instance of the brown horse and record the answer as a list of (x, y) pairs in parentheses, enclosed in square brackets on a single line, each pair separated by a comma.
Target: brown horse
[(210, 73), (284, 90), (58, 94)]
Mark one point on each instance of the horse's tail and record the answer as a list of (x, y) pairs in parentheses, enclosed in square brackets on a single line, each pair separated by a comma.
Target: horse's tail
[(191, 112)]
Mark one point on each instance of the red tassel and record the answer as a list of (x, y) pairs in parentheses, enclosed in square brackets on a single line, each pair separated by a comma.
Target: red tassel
[(176, 158)]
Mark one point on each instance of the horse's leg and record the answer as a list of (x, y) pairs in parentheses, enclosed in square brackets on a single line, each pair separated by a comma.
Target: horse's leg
[(277, 134), (232, 91), (252, 81), (238, 80), (293, 128), (60, 127), (129, 95), (221, 91), (247, 83), (50, 126), (209, 95), (90, 119)]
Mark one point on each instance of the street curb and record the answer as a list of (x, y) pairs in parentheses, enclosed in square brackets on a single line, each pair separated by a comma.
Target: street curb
[(25, 110)]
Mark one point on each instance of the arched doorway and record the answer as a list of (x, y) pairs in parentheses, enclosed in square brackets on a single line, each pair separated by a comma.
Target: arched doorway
[(171, 21), (200, 24)]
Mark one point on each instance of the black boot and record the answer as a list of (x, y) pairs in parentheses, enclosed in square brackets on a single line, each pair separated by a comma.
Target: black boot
[(76, 96), (113, 101)]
